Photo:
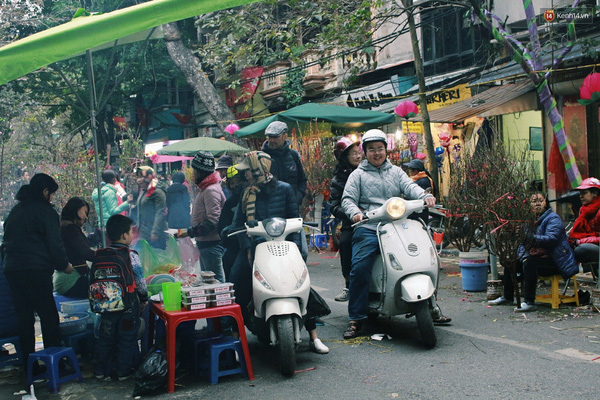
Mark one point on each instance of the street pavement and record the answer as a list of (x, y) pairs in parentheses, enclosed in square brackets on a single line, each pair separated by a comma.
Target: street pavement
[(485, 352)]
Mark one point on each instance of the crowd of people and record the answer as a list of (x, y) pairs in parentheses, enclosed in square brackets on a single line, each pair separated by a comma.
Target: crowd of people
[(43, 253)]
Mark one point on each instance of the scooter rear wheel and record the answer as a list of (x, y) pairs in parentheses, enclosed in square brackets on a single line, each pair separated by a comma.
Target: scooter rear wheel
[(425, 323), (286, 346)]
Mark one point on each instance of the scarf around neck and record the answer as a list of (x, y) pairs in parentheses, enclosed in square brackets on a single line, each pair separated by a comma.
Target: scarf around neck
[(582, 227)]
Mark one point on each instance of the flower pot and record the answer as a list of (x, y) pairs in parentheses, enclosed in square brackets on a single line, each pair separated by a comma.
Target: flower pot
[(474, 268), (494, 289)]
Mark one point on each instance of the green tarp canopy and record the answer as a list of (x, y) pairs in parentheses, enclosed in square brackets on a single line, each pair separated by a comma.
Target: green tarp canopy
[(345, 117), (88, 31), (189, 147)]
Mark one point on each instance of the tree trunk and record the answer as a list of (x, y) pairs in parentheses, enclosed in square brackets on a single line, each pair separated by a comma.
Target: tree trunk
[(190, 66), (408, 4)]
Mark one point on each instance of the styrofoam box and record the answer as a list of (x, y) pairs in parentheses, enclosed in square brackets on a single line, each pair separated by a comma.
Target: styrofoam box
[(225, 302), (195, 306), (195, 299), (193, 291), (220, 287), (221, 296)]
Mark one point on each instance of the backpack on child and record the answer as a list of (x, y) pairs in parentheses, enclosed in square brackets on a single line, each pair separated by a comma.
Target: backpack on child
[(112, 282)]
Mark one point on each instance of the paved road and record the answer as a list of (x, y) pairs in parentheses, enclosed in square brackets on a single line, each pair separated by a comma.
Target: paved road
[(485, 352)]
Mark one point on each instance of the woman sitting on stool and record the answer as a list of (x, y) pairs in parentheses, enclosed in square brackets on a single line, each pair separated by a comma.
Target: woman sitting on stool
[(550, 254), (585, 235)]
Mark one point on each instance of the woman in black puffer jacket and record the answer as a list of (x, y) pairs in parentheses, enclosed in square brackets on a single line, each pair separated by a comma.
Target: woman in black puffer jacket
[(32, 251), (349, 157)]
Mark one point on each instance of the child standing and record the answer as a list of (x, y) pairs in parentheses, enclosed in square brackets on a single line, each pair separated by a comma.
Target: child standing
[(119, 330)]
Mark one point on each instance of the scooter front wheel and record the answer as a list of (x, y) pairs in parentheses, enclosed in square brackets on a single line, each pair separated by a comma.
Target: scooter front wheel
[(425, 323), (286, 345)]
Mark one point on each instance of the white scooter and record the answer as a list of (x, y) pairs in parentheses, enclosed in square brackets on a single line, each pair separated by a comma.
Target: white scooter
[(281, 286), (405, 276)]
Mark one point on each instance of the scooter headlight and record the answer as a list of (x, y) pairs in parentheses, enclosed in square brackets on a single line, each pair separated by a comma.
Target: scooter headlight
[(396, 208), (259, 277), (274, 226), (303, 276)]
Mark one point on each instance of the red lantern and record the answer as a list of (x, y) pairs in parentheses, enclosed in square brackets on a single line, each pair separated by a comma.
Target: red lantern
[(590, 89), (407, 109)]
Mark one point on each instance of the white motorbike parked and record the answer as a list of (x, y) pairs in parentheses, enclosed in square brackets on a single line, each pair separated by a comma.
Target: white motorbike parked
[(280, 286), (405, 275)]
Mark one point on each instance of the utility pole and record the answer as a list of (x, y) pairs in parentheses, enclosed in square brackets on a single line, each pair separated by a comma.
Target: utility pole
[(408, 8)]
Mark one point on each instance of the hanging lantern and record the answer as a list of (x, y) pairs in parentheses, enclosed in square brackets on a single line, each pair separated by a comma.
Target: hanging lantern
[(444, 139), (413, 144), (231, 128), (407, 109), (590, 89), (439, 151), (421, 156)]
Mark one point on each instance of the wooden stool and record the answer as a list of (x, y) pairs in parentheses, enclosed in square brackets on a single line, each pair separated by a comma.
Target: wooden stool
[(554, 297)]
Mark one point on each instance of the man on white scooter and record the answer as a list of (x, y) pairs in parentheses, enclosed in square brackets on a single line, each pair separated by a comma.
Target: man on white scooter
[(264, 197), (374, 181)]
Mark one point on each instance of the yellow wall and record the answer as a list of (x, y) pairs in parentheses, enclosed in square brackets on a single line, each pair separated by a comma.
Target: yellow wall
[(515, 131)]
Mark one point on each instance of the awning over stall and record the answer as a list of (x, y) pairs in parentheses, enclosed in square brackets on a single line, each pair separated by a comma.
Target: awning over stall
[(504, 99)]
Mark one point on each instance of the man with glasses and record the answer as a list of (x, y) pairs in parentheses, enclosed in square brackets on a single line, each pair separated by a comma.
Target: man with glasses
[(286, 165), (374, 181)]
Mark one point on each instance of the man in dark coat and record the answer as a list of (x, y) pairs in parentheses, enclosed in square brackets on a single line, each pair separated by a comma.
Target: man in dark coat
[(151, 204), (286, 165), (178, 203)]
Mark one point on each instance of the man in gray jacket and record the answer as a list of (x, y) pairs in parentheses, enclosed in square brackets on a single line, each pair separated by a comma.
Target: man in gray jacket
[(374, 181)]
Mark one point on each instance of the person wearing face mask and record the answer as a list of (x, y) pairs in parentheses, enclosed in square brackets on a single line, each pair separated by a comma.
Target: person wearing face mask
[(206, 212), (236, 185), (549, 254), (73, 216), (349, 156), (585, 235), (32, 251), (151, 208), (264, 197)]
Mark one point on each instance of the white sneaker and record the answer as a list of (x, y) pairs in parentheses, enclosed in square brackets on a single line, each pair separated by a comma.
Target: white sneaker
[(344, 296), (318, 347), (525, 307)]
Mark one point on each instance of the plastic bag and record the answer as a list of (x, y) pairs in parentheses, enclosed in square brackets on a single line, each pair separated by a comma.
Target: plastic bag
[(158, 261), (316, 306), (152, 373), (189, 254)]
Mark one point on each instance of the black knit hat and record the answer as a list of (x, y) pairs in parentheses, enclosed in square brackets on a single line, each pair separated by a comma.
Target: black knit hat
[(204, 161)]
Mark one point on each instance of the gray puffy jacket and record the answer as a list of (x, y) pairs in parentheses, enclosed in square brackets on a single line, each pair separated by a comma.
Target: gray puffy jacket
[(369, 187)]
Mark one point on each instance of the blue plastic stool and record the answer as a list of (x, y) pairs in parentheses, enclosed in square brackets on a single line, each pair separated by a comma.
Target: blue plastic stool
[(74, 340), (11, 359), (213, 349), (320, 241), (51, 357), (201, 342)]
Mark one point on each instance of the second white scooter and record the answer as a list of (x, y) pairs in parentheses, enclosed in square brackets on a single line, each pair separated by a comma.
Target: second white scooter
[(280, 287)]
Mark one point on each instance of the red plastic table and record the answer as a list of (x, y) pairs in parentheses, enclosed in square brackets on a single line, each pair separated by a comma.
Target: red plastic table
[(174, 318)]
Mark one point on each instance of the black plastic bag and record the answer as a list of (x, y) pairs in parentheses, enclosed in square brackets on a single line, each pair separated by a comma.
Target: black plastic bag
[(152, 373), (316, 305)]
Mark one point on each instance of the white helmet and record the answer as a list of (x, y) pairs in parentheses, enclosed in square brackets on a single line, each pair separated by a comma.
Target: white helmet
[(374, 135)]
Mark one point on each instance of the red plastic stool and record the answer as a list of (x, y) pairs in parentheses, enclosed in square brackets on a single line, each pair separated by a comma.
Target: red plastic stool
[(51, 357)]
